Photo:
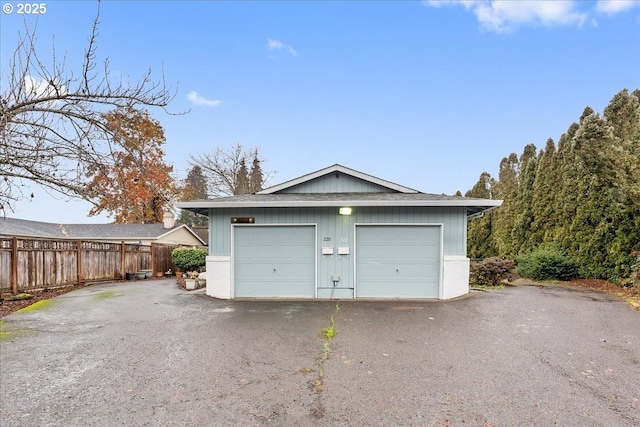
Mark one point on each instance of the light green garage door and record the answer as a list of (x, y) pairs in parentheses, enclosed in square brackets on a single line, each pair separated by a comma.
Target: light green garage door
[(274, 261), (400, 261)]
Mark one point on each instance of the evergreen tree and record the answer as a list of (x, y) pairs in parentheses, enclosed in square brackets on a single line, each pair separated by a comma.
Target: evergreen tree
[(242, 178), (583, 196), (521, 230), (545, 193), (480, 242), (256, 178), (194, 187), (623, 114), (593, 227), (507, 190)]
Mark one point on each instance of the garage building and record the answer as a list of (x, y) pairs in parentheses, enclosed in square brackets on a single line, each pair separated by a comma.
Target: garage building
[(338, 233)]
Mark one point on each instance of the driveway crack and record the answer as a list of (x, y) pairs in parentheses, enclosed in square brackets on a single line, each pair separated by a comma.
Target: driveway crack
[(327, 334)]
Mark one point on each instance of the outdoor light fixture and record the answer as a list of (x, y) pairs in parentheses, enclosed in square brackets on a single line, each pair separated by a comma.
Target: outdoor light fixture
[(345, 211)]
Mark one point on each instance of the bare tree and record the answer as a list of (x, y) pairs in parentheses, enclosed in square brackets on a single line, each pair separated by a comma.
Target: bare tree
[(226, 170), (52, 126)]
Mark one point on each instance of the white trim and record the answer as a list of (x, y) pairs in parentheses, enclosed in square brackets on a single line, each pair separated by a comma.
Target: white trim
[(315, 251), (456, 277), (428, 224), (219, 276), (212, 204), (333, 169)]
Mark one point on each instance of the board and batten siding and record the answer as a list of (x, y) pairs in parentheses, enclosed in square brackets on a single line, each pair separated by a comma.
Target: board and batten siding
[(334, 231), (331, 184), (331, 224)]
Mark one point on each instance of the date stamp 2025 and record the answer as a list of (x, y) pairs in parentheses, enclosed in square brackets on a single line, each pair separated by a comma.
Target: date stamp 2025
[(24, 8)]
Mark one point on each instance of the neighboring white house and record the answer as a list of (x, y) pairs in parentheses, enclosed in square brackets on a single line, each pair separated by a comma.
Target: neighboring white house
[(145, 234), (338, 233)]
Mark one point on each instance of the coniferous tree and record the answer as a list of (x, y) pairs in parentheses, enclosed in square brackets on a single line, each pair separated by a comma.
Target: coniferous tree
[(480, 242), (583, 196), (521, 231), (623, 114), (256, 178), (507, 190), (242, 178), (545, 192), (194, 188), (593, 226)]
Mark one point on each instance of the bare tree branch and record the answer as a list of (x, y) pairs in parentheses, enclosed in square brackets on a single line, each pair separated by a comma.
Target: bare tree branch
[(223, 170), (52, 126)]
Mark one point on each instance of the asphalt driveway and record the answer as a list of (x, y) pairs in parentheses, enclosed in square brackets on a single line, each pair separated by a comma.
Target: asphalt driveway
[(150, 354)]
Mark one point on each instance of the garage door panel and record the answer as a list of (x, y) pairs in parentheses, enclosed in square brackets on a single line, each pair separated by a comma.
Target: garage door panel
[(274, 261), (397, 261)]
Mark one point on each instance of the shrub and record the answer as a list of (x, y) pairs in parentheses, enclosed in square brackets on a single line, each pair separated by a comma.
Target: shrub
[(491, 271), (547, 263), (189, 259)]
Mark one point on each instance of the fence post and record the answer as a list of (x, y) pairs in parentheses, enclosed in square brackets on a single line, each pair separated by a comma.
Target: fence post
[(79, 262), (122, 273), (153, 260), (14, 266)]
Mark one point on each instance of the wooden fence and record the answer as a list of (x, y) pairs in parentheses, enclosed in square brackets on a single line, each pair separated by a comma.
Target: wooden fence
[(28, 264)]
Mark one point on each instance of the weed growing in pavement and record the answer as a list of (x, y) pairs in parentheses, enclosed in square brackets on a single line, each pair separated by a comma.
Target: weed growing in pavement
[(327, 335)]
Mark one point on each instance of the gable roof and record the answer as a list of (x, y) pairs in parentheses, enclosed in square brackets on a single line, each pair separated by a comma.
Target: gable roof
[(26, 228), (397, 196), (337, 169)]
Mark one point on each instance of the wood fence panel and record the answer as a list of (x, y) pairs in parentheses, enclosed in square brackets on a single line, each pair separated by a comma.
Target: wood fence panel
[(42, 263), (162, 257), (5, 263)]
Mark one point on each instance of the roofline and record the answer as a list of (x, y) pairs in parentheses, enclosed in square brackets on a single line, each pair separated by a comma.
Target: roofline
[(337, 168), (102, 238), (489, 203), (178, 228)]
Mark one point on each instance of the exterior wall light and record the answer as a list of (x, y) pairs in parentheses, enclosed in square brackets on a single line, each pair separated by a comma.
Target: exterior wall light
[(345, 211)]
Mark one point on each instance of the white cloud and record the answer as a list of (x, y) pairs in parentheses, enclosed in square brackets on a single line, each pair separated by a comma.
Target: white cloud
[(40, 88), (612, 7), (196, 99), (505, 15), (274, 45)]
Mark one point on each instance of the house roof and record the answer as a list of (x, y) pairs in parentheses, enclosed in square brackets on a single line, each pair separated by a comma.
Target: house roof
[(398, 195), (26, 228), (472, 205), (340, 169)]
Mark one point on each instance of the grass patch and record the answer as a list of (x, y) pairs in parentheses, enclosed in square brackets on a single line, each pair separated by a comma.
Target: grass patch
[(8, 335), (40, 305), (107, 294)]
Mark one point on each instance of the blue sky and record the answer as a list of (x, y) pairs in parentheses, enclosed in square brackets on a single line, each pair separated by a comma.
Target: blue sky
[(425, 94)]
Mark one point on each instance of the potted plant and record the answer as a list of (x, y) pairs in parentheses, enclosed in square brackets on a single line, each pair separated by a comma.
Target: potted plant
[(190, 284), (202, 280)]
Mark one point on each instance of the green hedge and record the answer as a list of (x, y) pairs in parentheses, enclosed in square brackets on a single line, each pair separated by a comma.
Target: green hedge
[(189, 259), (547, 263)]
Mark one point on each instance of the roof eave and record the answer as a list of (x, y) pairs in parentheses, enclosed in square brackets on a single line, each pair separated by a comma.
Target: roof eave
[(337, 203)]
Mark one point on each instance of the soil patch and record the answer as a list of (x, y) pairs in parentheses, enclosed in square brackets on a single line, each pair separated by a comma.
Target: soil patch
[(630, 295), (8, 306)]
